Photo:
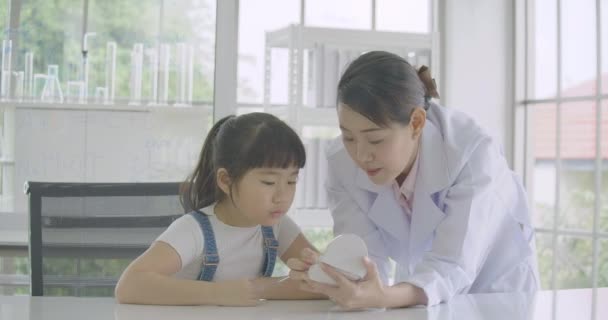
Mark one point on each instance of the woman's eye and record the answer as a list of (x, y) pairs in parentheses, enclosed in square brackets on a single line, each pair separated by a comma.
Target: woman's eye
[(376, 141), (292, 182), (347, 139), (268, 183)]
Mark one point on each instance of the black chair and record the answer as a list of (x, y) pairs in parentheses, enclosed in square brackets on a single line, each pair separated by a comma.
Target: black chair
[(83, 235)]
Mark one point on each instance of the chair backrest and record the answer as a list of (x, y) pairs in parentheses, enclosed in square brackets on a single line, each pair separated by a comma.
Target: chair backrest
[(83, 235)]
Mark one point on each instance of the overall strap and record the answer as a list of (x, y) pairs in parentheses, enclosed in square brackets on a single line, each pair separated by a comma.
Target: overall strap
[(210, 257), (270, 250)]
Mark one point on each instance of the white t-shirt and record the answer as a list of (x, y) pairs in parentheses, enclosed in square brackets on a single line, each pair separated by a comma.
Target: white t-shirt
[(240, 250)]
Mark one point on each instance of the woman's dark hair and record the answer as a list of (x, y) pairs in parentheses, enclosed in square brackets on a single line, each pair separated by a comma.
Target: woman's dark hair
[(239, 144), (383, 87)]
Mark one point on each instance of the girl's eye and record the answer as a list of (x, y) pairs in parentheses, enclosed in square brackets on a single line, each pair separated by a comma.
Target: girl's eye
[(268, 183), (347, 139), (292, 182), (376, 141)]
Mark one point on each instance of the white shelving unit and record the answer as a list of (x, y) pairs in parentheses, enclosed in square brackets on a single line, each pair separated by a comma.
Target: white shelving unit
[(301, 41), (316, 58)]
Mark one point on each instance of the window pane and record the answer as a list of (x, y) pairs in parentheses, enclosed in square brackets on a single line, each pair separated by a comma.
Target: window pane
[(4, 4), (52, 31), (126, 23), (578, 48), (602, 280), (254, 22), (604, 44), (185, 24), (544, 252), (192, 23), (574, 262), (331, 14), (403, 16), (543, 59), (604, 153), (543, 128), (577, 176)]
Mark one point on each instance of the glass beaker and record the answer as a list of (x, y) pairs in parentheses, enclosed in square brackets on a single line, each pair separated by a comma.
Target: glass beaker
[(52, 90), (75, 92), (101, 95), (39, 84)]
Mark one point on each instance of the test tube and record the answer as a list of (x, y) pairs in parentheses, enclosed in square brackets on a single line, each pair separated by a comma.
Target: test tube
[(5, 86), (154, 77), (137, 58), (163, 76), (110, 71), (18, 94), (182, 74), (190, 68), (28, 85)]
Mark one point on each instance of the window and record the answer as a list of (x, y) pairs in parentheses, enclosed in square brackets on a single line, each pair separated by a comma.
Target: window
[(390, 16), (566, 151), (254, 23), (53, 32), (331, 14)]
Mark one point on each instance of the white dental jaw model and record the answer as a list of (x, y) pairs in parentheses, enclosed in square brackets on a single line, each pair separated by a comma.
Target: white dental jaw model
[(345, 253)]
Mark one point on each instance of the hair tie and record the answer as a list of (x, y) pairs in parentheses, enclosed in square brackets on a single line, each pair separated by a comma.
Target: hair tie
[(430, 87)]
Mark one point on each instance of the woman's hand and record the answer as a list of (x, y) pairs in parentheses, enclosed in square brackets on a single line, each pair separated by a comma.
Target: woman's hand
[(299, 266), (367, 293)]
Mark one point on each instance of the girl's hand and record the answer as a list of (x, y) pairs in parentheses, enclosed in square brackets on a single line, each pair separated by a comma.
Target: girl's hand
[(240, 293), (350, 295), (299, 266)]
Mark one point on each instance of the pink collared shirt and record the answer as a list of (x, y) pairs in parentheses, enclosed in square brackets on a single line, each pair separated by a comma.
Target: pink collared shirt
[(405, 193)]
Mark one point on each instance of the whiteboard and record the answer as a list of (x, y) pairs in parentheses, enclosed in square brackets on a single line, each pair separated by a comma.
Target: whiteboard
[(58, 145)]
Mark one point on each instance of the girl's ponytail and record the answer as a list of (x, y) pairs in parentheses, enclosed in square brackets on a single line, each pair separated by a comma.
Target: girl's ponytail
[(200, 189)]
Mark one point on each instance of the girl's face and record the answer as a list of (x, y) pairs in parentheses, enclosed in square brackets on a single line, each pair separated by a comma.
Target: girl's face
[(264, 195), (383, 153)]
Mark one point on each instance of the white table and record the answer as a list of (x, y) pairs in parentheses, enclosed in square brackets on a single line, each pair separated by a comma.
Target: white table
[(571, 304)]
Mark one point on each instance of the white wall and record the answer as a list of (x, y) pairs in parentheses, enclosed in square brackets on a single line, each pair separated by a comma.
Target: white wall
[(477, 66)]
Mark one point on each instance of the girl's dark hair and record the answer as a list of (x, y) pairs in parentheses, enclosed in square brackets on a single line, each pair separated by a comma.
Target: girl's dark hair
[(238, 144), (382, 87)]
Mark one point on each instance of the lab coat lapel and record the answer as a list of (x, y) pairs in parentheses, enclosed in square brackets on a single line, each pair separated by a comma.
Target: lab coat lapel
[(433, 176), (385, 211)]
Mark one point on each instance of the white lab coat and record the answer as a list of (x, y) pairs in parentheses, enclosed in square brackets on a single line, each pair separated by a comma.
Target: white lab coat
[(470, 228)]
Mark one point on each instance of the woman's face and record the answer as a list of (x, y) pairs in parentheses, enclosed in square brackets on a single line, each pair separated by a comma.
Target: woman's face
[(382, 152)]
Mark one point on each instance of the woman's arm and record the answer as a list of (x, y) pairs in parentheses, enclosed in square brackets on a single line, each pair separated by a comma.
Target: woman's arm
[(148, 280), (275, 289)]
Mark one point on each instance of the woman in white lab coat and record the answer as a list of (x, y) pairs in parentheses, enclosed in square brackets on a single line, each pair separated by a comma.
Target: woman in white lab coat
[(425, 186)]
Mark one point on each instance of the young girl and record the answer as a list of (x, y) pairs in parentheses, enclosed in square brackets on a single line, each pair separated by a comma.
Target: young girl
[(242, 187)]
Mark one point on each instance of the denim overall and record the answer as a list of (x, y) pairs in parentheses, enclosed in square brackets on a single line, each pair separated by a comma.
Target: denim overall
[(211, 258)]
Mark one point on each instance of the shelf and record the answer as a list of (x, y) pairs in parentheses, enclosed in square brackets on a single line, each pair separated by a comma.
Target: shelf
[(348, 38), (198, 109), (7, 161)]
